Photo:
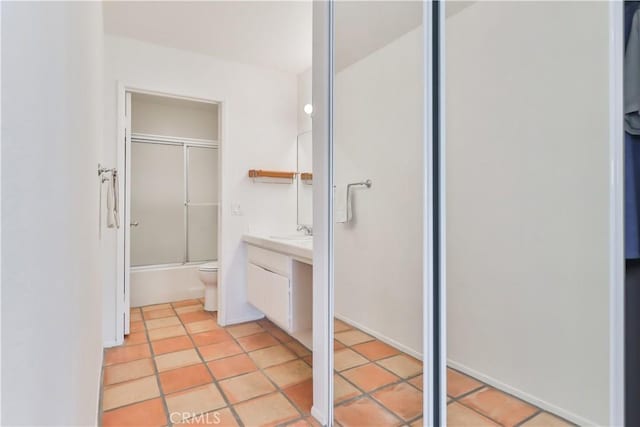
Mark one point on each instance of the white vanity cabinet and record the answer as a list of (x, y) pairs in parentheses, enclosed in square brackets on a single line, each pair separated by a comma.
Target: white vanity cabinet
[(280, 285), (269, 284)]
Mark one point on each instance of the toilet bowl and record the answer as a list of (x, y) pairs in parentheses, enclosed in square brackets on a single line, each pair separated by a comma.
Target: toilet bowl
[(208, 274)]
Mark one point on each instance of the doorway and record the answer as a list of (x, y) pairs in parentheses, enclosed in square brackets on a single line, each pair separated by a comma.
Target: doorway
[(170, 198)]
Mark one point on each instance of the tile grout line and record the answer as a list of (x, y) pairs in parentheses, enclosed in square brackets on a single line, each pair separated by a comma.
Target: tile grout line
[(374, 401), (476, 411), (214, 380), (278, 389), (369, 394), (220, 359), (262, 370), (484, 385), (466, 393), (268, 330), (280, 342), (457, 399), (376, 362), (535, 414), (105, 386), (157, 372)]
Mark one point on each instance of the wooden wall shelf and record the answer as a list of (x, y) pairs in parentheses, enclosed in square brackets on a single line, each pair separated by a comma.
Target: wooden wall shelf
[(258, 173), (306, 178)]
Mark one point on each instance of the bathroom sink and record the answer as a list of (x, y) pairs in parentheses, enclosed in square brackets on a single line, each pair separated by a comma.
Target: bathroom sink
[(302, 237)]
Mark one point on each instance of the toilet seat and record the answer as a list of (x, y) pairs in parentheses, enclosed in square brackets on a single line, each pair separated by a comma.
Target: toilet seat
[(209, 266)]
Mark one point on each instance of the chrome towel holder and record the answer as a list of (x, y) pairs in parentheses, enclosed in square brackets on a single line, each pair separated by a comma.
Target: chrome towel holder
[(367, 183)]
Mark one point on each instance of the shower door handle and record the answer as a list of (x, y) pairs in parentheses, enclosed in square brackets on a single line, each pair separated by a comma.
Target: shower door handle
[(134, 224)]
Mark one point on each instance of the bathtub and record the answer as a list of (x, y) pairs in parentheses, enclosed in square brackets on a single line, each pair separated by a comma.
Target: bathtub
[(159, 284)]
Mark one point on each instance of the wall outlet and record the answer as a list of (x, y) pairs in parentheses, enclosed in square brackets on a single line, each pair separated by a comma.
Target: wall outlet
[(236, 209)]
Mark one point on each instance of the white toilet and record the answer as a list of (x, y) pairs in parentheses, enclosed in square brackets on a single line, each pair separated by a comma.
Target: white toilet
[(208, 274)]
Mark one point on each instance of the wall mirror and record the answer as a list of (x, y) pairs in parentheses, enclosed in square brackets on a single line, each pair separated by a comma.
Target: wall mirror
[(305, 189)]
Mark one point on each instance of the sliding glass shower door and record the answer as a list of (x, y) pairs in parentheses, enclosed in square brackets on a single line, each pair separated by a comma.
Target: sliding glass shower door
[(202, 206), (174, 202), (157, 204)]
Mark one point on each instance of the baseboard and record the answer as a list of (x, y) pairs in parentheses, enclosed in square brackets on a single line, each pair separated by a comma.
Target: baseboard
[(379, 336), (99, 396), (568, 415), (318, 416), (242, 319), (114, 343)]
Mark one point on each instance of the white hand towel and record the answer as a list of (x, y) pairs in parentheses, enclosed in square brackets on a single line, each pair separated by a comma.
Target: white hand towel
[(113, 216), (116, 198), (110, 199), (341, 208)]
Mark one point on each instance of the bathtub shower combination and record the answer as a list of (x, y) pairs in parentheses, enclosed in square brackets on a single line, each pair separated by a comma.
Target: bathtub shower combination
[(174, 181)]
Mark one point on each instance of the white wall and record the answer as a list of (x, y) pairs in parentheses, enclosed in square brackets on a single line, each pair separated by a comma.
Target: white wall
[(174, 117), (378, 136), (51, 293), (259, 126), (527, 201)]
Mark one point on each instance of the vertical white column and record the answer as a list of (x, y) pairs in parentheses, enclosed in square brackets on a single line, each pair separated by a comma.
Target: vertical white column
[(322, 408)]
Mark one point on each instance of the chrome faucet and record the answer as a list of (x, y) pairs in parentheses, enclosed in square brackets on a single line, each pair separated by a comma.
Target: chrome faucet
[(308, 230)]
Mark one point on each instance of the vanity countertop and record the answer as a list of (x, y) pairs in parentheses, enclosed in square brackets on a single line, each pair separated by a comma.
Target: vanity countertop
[(298, 246)]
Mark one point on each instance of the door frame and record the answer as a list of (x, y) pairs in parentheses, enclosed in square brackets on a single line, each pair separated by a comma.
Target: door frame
[(322, 147), (123, 265), (616, 215), (434, 311)]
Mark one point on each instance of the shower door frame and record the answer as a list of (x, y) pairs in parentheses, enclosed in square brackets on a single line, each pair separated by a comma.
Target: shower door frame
[(123, 256), (185, 144)]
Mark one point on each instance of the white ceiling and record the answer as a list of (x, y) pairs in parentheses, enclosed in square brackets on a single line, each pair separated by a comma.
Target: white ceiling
[(274, 34), (361, 27), (270, 34)]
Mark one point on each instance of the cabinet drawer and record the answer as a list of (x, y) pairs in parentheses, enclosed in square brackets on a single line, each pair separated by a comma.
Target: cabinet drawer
[(270, 293), (272, 261)]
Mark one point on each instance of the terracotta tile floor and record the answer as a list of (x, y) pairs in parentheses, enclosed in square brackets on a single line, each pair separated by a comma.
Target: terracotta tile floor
[(178, 367), (378, 385)]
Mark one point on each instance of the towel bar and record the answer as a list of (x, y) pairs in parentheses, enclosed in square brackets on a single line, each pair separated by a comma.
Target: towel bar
[(366, 183)]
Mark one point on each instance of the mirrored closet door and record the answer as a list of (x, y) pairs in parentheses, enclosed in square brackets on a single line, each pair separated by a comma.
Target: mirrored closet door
[(378, 173), (530, 307)]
